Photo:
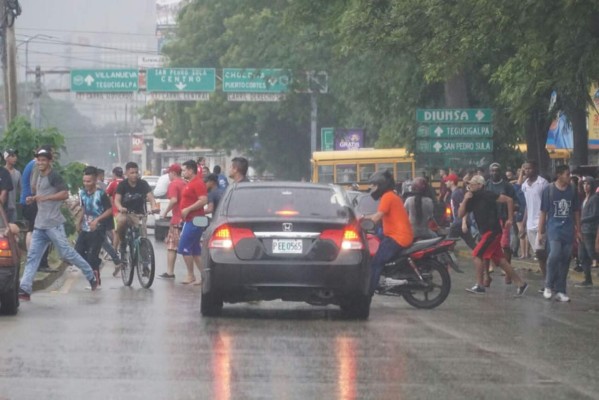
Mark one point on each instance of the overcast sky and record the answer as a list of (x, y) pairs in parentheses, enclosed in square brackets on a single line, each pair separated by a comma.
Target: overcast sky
[(122, 23)]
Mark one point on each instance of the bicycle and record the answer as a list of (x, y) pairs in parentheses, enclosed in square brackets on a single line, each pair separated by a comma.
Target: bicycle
[(140, 255)]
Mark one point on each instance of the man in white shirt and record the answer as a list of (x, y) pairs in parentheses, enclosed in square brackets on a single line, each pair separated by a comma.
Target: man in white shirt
[(532, 188)]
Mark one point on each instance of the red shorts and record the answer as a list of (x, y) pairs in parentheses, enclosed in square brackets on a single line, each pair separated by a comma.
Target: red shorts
[(172, 238), (489, 247)]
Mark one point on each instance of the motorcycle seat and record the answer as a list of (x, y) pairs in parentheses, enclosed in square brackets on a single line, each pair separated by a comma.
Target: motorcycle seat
[(421, 244)]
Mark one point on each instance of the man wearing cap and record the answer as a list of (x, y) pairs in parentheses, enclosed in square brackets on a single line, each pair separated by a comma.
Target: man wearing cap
[(51, 191), (497, 184), (174, 192), (456, 198), (10, 157), (483, 203)]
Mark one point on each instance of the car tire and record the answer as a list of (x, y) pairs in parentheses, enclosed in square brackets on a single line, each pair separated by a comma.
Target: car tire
[(357, 307), (9, 300), (211, 305)]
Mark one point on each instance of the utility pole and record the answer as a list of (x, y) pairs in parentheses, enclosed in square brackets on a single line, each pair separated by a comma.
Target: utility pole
[(37, 95), (11, 73), (9, 10)]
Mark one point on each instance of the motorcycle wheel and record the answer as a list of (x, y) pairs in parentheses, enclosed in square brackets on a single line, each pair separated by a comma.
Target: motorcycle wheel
[(439, 284)]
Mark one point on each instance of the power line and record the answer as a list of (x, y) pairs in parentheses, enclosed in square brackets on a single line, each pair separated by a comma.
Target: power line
[(80, 59), (65, 43), (94, 32)]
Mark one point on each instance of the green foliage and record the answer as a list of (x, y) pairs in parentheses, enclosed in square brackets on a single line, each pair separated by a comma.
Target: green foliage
[(25, 139), (385, 58)]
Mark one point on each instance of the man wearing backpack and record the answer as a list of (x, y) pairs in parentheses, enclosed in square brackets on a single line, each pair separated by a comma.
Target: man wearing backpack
[(559, 221)]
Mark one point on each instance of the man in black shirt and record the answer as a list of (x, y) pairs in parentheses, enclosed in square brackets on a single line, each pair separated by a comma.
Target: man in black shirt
[(497, 184), (130, 201), (483, 204)]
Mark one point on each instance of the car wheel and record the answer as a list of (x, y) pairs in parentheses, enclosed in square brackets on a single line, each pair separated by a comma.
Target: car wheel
[(357, 307), (9, 300), (211, 305)]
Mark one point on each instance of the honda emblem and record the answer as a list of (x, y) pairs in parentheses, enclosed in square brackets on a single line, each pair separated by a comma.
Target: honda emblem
[(287, 227)]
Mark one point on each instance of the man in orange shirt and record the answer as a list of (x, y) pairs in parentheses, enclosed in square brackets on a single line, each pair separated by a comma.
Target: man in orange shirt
[(397, 231)]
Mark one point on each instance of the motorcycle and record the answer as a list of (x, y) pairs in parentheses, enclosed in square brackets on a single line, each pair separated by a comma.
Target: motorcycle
[(426, 282)]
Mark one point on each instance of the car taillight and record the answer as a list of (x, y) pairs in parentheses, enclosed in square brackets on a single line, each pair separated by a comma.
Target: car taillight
[(5, 250), (226, 237), (347, 239)]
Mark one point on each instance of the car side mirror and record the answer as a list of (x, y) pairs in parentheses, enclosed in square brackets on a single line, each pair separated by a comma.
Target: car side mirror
[(200, 221)]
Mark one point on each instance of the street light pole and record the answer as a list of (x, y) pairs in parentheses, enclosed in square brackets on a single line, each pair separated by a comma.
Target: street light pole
[(26, 41)]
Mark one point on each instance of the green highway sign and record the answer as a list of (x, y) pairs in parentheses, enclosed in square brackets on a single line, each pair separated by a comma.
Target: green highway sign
[(255, 80), (181, 80), (454, 146), (327, 139), (454, 131), (455, 160), (454, 115), (104, 80)]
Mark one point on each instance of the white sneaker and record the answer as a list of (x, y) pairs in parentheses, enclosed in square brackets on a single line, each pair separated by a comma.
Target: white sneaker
[(547, 293), (562, 298)]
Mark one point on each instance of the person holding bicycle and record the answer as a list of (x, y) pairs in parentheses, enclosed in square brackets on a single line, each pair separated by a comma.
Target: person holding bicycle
[(130, 200), (95, 221)]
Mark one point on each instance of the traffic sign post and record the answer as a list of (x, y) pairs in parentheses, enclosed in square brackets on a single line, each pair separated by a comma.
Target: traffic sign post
[(327, 139), (104, 80), (181, 80), (454, 131), (238, 81), (454, 146), (454, 136), (454, 115)]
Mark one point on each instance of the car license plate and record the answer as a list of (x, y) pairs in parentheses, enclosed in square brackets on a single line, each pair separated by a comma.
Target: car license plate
[(287, 246)]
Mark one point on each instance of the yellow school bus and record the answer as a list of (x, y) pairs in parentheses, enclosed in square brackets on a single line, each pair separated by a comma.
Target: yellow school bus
[(348, 167)]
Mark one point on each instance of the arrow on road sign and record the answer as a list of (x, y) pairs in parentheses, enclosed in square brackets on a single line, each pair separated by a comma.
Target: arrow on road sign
[(89, 80), (480, 115), (437, 146), (180, 85), (438, 131)]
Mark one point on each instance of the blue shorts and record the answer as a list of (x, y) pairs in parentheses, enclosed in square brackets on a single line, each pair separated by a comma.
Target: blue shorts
[(189, 241)]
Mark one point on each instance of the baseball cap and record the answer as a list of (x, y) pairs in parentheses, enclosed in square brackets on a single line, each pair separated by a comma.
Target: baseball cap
[(10, 152), (176, 168), (452, 178), (588, 179), (44, 151), (495, 165)]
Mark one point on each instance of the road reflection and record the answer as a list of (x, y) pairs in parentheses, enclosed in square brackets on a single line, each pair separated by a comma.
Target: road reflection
[(345, 350), (221, 361)]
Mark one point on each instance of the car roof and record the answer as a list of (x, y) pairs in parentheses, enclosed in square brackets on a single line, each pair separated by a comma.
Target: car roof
[(287, 184)]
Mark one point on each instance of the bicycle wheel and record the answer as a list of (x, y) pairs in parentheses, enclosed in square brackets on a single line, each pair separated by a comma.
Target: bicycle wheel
[(146, 267), (128, 268)]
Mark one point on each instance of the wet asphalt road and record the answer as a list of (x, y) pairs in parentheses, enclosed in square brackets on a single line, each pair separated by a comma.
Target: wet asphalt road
[(131, 343)]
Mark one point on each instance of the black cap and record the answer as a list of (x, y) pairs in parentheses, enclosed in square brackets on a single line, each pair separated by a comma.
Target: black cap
[(44, 151), (10, 152)]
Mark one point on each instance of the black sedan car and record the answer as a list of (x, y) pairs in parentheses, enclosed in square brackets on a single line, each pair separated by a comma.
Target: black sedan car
[(285, 240)]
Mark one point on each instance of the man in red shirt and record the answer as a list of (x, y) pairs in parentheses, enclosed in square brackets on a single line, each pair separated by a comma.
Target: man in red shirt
[(174, 193), (397, 230), (117, 177), (193, 199)]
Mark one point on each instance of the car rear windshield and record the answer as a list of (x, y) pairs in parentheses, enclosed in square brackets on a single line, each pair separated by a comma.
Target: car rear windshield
[(287, 202)]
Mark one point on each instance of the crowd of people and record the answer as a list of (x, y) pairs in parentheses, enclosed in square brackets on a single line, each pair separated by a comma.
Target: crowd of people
[(501, 214), (552, 220), (107, 210)]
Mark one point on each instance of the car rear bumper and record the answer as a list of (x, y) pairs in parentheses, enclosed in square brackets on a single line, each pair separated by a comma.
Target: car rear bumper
[(314, 282)]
